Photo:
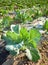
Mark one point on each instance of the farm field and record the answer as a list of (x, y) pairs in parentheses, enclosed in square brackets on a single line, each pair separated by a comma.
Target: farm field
[(23, 32)]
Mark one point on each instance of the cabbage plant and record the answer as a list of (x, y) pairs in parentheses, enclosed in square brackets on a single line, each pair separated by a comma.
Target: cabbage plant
[(25, 40), (22, 17), (7, 21)]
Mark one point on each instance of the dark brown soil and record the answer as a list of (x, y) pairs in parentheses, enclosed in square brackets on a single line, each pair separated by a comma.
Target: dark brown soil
[(43, 48), (3, 52)]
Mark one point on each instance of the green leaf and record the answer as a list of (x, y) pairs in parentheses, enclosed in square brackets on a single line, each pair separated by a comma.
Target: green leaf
[(24, 33), (35, 35), (15, 28), (6, 21), (14, 48), (12, 45), (46, 25), (14, 36), (32, 54), (30, 43), (8, 40)]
